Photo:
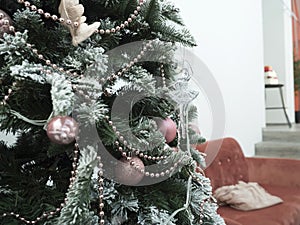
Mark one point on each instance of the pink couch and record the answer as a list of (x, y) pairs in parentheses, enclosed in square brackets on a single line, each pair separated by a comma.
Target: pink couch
[(280, 177)]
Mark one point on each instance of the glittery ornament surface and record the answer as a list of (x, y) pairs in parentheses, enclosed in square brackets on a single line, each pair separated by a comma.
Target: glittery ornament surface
[(62, 129), (4, 27), (127, 173)]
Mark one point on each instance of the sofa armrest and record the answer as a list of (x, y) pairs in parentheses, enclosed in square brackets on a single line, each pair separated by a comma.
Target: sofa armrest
[(274, 171), (230, 221)]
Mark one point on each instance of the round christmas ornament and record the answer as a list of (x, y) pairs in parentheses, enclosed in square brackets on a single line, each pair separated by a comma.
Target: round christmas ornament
[(128, 172), (168, 128), (4, 26), (62, 130)]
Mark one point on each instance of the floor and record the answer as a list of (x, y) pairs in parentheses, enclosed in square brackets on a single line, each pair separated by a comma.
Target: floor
[(280, 141), (282, 127)]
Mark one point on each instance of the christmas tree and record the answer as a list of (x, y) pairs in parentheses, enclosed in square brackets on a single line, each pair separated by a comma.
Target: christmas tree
[(101, 113)]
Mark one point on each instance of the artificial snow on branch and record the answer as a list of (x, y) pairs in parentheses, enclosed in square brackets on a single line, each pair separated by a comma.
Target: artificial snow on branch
[(89, 59), (28, 71), (62, 94), (13, 47), (77, 210)]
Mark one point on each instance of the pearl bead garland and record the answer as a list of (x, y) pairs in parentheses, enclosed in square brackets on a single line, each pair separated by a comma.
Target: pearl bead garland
[(49, 63), (68, 22), (74, 173), (162, 71), (111, 78), (152, 174), (135, 60), (128, 146), (6, 97), (201, 212), (141, 155), (100, 191)]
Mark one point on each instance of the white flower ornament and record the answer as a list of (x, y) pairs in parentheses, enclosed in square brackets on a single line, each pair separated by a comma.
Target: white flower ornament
[(71, 10)]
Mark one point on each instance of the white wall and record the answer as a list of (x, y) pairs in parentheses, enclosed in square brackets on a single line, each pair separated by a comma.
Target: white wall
[(278, 44), (230, 41)]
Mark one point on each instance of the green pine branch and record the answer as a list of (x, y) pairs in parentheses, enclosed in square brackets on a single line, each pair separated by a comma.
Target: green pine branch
[(172, 13), (77, 210), (156, 18)]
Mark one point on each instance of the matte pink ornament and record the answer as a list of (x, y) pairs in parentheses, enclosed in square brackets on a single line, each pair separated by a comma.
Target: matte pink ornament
[(168, 128), (62, 130), (126, 173)]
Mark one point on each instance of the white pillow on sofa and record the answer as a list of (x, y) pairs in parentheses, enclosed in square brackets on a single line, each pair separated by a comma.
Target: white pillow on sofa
[(246, 196)]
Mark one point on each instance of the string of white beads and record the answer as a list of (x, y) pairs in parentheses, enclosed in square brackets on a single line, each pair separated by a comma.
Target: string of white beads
[(156, 174), (128, 155), (162, 72), (112, 77), (100, 191), (134, 61), (6, 97), (129, 147)]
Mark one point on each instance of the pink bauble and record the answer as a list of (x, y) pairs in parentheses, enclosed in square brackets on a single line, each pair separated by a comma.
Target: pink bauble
[(62, 130), (4, 27), (168, 128), (126, 173)]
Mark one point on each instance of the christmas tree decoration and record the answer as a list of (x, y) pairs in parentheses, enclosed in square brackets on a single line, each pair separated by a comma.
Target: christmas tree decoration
[(129, 171), (168, 128), (62, 130), (158, 180), (5, 22), (183, 96), (71, 10)]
